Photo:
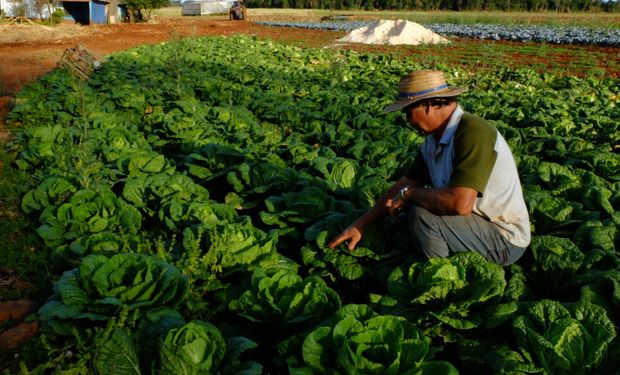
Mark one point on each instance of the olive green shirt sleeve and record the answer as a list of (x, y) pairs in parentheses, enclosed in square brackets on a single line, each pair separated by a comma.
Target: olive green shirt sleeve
[(474, 153)]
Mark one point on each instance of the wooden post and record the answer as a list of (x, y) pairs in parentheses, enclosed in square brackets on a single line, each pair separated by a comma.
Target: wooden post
[(113, 11)]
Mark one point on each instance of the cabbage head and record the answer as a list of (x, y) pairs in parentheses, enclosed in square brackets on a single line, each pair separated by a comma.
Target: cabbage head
[(101, 287), (565, 338), (449, 290), (195, 348), (199, 348), (286, 299), (358, 341)]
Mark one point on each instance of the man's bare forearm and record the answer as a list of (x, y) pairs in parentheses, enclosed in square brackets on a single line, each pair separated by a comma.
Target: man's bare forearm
[(444, 201), (380, 209), (353, 233)]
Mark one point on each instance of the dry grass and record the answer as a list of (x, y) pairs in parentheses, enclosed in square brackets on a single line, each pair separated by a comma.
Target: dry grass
[(26, 33)]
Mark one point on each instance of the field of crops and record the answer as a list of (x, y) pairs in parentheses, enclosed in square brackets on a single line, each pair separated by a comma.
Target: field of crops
[(519, 33), (186, 192)]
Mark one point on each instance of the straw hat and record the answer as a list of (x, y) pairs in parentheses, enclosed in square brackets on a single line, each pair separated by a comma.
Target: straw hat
[(422, 84)]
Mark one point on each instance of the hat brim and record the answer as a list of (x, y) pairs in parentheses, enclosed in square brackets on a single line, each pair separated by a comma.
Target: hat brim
[(447, 93)]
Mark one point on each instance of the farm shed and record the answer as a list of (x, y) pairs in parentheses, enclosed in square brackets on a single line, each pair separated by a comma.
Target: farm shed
[(27, 8), (93, 11), (203, 7)]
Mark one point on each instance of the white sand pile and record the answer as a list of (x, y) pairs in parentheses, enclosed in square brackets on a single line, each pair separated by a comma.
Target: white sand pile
[(393, 32)]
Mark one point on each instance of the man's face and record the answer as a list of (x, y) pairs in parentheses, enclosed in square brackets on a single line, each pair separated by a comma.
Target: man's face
[(417, 115)]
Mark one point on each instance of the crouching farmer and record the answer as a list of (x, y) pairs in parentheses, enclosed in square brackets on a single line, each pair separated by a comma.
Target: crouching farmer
[(462, 190)]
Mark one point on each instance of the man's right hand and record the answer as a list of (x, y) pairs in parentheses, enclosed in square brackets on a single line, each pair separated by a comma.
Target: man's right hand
[(353, 234), (382, 207)]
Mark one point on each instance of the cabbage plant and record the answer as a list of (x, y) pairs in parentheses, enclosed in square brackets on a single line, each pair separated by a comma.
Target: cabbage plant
[(286, 300), (358, 341), (102, 287), (444, 290), (193, 348), (92, 221), (565, 338), (199, 348)]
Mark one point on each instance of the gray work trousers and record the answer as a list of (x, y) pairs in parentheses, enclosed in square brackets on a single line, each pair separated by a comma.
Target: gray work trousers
[(440, 236)]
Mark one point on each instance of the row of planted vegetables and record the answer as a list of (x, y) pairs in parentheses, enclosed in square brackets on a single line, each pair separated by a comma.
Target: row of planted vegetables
[(574, 35), (185, 199)]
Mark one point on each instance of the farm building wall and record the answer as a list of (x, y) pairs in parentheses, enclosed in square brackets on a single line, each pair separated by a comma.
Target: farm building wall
[(198, 8), (98, 12), (79, 11), (88, 12)]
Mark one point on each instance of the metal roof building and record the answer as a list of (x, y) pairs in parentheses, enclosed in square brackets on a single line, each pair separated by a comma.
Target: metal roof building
[(81, 11), (93, 11), (204, 7)]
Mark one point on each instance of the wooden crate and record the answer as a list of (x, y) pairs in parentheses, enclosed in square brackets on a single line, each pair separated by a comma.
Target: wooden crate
[(80, 61)]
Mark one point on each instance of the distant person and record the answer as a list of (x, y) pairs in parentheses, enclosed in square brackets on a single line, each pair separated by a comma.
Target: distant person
[(462, 190)]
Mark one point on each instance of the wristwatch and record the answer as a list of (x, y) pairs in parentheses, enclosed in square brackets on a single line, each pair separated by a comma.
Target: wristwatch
[(401, 193)]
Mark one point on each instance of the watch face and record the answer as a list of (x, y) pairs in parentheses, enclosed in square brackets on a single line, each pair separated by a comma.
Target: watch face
[(402, 191)]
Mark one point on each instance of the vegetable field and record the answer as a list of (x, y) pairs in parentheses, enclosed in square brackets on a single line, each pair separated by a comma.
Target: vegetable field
[(519, 33), (186, 192)]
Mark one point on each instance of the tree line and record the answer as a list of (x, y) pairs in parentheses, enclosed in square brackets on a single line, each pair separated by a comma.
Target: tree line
[(452, 5)]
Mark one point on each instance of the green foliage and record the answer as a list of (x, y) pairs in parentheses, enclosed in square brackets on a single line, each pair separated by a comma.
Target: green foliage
[(286, 301), (117, 355), (444, 290), (90, 222), (57, 17), (358, 341), (195, 348), (142, 10), (474, 6), (165, 344), (103, 287), (232, 157), (24, 262), (199, 348), (53, 191), (565, 338), (374, 254), (226, 247)]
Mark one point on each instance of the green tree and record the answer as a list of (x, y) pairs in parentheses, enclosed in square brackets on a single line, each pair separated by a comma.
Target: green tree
[(142, 10), (610, 6)]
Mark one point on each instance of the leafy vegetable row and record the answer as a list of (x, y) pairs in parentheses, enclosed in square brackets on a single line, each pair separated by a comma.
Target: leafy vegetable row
[(522, 33), (186, 199)]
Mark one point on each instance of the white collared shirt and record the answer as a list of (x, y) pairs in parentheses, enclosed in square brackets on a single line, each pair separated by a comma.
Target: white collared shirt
[(436, 153), (501, 201)]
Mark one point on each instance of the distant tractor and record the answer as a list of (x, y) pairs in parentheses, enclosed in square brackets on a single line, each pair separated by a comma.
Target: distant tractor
[(238, 11)]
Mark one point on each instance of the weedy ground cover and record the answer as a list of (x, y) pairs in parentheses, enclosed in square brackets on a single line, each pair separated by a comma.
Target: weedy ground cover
[(20, 248), (184, 195), (560, 60)]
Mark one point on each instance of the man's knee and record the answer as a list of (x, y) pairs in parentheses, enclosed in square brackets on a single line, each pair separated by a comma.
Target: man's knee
[(422, 220), (425, 233)]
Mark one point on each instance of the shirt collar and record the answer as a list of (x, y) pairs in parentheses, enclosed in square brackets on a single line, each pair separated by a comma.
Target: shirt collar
[(452, 125)]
